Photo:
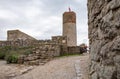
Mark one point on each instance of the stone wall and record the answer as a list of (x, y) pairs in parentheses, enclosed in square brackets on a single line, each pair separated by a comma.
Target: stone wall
[(41, 54), (74, 50), (14, 35), (104, 36), (61, 40), (49, 47), (17, 43), (43, 50)]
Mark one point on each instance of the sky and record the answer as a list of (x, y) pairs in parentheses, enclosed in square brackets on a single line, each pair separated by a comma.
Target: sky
[(42, 18)]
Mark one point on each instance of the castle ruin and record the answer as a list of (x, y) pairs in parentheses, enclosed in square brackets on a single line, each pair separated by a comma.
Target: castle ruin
[(42, 49)]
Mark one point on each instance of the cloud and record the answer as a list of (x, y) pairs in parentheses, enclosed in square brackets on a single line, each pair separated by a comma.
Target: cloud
[(41, 18)]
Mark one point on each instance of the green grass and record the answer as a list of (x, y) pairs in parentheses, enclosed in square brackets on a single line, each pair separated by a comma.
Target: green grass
[(4, 51), (12, 58), (2, 55)]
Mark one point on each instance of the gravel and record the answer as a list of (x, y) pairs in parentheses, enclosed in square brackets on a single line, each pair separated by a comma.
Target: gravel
[(59, 68)]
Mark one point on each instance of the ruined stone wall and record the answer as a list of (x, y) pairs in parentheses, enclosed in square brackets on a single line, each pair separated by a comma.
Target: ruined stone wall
[(43, 51), (42, 54), (59, 43), (14, 35), (104, 36), (73, 50), (17, 43), (51, 49), (61, 40)]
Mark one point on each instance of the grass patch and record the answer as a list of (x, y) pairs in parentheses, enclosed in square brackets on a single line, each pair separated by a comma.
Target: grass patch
[(4, 51), (2, 55), (27, 52), (12, 58)]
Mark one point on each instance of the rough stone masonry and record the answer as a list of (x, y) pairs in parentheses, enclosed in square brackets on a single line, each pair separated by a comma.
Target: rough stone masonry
[(14, 35), (104, 36)]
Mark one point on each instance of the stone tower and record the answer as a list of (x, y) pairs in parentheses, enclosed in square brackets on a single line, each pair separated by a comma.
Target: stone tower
[(69, 27)]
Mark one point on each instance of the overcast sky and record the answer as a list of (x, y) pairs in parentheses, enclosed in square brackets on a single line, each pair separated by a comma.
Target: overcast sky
[(41, 18)]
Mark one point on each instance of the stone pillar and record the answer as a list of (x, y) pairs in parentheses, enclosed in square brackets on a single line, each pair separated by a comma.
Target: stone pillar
[(69, 28), (104, 36)]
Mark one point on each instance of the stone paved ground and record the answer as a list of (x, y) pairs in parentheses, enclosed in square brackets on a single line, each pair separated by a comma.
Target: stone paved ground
[(59, 68)]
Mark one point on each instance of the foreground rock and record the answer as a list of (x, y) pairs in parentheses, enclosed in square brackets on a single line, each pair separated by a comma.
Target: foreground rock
[(104, 35), (9, 71)]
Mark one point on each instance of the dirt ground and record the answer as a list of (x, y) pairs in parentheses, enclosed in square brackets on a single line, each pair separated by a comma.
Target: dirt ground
[(58, 68)]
